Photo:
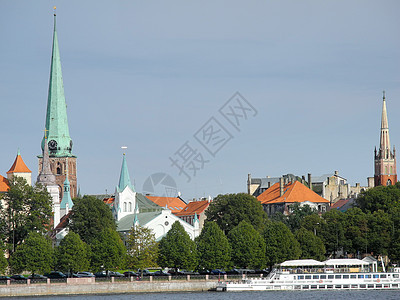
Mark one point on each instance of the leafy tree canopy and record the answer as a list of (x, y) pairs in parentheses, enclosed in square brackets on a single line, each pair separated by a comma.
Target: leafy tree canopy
[(213, 248), (311, 245), (177, 250), (73, 255), (35, 254), (108, 251), (280, 243), (380, 198), (25, 209), (142, 248), (90, 216), (229, 210), (248, 246)]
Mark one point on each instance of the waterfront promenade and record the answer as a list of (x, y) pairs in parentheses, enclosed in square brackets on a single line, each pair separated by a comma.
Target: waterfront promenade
[(83, 286)]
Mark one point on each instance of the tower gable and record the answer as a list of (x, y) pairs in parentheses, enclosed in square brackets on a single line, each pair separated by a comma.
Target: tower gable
[(384, 158)]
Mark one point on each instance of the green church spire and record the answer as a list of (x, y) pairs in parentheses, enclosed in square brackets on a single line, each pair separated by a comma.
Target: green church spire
[(124, 178), (57, 132)]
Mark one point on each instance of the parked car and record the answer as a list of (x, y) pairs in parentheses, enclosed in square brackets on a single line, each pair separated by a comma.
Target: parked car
[(115, 274), (37, 276), (84, 274), (185, 272), (55, 274), (217, 272), (240, 271), (160, 273), (131, 274), (18, 277), (3, 278)]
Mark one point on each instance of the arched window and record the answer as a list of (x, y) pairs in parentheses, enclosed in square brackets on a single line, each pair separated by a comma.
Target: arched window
[(389, 182), (130, 206), (391, 170), (124, 206), (58, 168), (386, 170)]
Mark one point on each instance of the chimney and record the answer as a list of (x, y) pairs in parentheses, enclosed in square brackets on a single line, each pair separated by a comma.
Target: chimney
[(336, 173), (281, 186), (309, 181), (269, 184), (248, 183)]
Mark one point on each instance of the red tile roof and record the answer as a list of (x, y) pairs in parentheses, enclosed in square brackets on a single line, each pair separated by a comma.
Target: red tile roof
[(292, 192), (175, 204), (193, 207), (19, 166), (109, 200), (3, 184), (339, 203)]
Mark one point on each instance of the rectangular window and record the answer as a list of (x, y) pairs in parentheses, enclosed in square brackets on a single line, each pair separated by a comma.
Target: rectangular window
[(353, 276), (346, 286), (360, 276), (395, 285), (313, 287), (329, 286), (354, 286), (376, 276), (345, 276), (323, 277), (378, 286), (338, 286), (370, 286), (308, 276), (300, 277), (338, 276), (315, 277), (306, 287), (395, 275), (367, 276), (383, 275), (331, 276), (362, 286)]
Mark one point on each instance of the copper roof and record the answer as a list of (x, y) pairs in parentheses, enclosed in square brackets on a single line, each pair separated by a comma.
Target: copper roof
[(3, 184), (193, 207), (19, 166), (292, 192), (175, 204)]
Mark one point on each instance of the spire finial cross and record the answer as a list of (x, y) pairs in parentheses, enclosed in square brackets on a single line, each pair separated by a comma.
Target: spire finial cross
[(45, 133), (384, 95)]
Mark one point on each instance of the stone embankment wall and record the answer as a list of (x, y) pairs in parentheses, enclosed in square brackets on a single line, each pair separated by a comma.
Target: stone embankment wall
[(81, 286)]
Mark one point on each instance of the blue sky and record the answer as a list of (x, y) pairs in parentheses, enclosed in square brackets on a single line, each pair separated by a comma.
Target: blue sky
[(149, 74)]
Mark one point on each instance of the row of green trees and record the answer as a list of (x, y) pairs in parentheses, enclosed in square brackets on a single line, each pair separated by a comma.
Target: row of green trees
[(237, 233)]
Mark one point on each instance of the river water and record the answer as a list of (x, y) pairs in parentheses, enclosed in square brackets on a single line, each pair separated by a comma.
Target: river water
[(267, 295)]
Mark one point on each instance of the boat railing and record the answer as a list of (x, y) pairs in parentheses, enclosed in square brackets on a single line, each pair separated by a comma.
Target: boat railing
[(323, 270)]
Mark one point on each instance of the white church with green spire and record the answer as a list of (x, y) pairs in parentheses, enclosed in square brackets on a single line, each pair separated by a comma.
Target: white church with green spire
[(132, 209), (56, 136)]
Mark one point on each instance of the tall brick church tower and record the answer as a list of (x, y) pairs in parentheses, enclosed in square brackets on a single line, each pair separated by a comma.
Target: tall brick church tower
[(385, 159), (62, 161)]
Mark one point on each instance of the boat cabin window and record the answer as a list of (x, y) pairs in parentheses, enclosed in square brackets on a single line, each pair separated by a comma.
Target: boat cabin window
[(383, 275), (308, 276), (315, 277), (362, 286), (323, 277), (360, 276), (395, 275), (394, 285), (353, 276), (370, 286), (331, 276), (346, 276), (376, 276), (300, 277), (338, 276), (367, 276)]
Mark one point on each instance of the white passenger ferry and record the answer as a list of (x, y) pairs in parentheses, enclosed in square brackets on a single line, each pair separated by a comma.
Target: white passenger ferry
[(314, 275)]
